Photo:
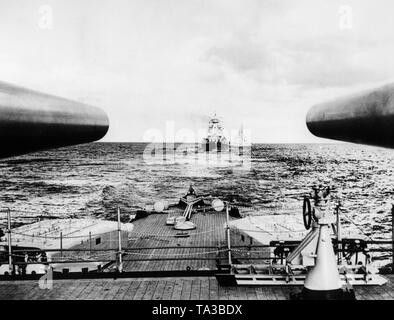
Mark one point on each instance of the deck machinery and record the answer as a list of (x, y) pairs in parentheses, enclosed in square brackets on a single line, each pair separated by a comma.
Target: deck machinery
[(189, 203), (286, 254)]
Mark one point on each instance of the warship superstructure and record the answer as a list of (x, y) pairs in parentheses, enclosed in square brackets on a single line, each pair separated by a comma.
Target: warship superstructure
[(215, 139)]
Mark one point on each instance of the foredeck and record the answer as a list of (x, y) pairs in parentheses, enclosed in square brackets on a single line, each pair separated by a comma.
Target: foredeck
[(153, 240), (152, 232), (188, 288)]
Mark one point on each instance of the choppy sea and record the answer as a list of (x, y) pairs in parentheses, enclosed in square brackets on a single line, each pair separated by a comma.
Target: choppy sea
[(93, 179)]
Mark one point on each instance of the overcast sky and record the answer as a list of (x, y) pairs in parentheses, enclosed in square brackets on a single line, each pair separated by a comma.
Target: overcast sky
[(257, 62)]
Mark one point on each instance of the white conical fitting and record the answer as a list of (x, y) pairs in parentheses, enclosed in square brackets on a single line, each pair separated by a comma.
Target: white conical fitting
[(324, 275)]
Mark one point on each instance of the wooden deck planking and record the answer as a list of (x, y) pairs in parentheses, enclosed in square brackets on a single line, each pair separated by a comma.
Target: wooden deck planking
[(58, 294), (150, 290), (223, 293), (141, 290), (186, 289), (103, 287), (86, 292), (152, 231), (15, 291), (213, 289), (131, 290), (260, 294), (122, 290), (390, 289), (113, 290), (177, 292), (55, 293), (195, 288), (159, 290), (168, 289)]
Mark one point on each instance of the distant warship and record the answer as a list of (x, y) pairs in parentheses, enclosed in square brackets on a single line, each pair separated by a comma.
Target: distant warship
[(215, 139)]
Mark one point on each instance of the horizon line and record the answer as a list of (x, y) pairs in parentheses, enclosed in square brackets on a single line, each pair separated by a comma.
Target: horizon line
[(180, 142)]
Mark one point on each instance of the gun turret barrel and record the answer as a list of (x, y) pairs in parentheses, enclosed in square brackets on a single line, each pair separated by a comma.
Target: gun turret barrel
[(366, 118), (32, 121)]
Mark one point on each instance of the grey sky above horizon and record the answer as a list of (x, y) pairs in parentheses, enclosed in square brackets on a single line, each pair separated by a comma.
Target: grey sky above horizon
[(147, 63)]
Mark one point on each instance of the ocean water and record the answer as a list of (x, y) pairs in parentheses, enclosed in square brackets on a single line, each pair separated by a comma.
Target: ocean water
[(93, 179)]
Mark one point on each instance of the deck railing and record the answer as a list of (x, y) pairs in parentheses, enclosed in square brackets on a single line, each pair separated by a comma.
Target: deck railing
[(209, 250), (221, 254)]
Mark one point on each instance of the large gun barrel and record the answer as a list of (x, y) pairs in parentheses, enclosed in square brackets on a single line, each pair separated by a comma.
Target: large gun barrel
[(32, 121), (366, 118)]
